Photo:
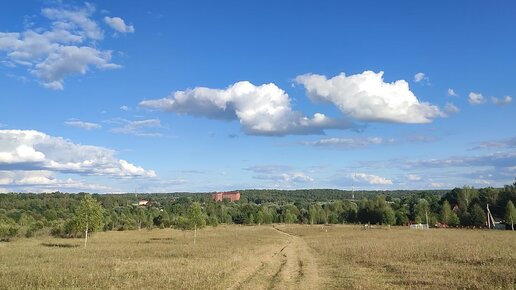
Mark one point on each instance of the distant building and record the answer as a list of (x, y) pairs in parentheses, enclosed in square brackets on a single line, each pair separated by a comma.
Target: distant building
[(231, 196), (143, 202)]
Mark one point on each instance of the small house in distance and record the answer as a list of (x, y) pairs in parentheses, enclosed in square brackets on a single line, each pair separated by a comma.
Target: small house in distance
[(143, 202), (231, 196)]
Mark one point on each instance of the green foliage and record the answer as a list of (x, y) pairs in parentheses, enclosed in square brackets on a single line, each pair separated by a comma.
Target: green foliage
[(389, 216), (57, 213), (89, 215), (478, 217), (448, 216), (510, 214)]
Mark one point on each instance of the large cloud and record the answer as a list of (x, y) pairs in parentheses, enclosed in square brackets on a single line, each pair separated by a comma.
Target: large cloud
[(69, 47), (33, 150), (367, 97), (261, 110)]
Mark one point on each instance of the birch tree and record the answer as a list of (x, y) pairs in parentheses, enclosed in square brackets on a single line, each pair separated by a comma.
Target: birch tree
[(89, 216)]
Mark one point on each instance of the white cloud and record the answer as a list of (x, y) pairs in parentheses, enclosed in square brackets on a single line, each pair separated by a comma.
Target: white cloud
[(44, 181), (506, 143), (371, 179), (452, 93), (367, 97), (296, 177), (68, 48), (505, 101), (279, 173), (261, 110), (421, 77), (137, 128), (286, 177), (348, 143), (118, 24), (439, 185), (450, 108), (413, 177), (32, 150), (82, 125), (75, 20), (476, 98), (125, 108)]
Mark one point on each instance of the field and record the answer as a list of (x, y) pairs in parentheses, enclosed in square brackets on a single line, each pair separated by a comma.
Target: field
[(265, 257)]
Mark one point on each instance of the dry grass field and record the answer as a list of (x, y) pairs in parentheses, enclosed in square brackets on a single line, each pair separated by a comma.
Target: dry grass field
[(400, 258), (265, 257)]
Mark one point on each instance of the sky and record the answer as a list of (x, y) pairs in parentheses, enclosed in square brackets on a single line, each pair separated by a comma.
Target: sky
[(198, 96)]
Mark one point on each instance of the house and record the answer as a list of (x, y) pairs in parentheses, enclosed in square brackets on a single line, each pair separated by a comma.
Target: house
[(143, 202), (231, 196)]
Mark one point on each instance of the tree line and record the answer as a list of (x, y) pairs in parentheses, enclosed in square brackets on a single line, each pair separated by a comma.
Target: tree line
[(63, 214)]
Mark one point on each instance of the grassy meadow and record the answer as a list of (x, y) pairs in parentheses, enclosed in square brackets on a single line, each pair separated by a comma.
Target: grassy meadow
[(265, 257), (398, 257)]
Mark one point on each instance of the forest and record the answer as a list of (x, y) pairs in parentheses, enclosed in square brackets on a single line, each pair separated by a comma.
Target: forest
[(57, 214)]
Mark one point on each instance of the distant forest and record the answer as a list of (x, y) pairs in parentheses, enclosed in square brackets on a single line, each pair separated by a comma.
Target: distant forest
[(29, 214)]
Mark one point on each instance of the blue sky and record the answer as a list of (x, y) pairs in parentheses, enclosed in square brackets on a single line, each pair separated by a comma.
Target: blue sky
[(220, 95)]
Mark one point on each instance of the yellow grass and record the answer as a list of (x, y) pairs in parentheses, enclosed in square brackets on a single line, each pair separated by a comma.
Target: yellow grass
[(397, 258), (157, 259), (261, 257)]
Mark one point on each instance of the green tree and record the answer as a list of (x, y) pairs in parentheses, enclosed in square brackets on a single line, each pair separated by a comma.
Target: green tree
[(422, 211), (89, 216), (510, 214), (478, 217), (388, 216), (196, 218)]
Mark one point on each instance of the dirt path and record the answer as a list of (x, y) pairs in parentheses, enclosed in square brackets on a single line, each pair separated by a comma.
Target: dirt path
[(291, 267)]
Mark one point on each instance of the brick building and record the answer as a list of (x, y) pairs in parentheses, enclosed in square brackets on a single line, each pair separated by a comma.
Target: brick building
[(231, 196)]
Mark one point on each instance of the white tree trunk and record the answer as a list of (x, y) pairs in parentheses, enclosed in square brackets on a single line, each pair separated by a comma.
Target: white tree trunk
[(86, 236), (195, 234)]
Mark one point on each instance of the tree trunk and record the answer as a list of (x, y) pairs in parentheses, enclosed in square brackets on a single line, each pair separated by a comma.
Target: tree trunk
[(86, 236), (195, 234), (512, 224)]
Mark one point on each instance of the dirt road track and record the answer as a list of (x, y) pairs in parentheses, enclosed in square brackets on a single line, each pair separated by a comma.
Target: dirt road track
[(291, 267)]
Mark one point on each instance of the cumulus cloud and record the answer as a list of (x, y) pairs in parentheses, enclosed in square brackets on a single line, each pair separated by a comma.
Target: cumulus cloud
[(476, 98), (421, 78), (118, 24), (452, 93), (261, 110), (68, 47), (348, 143), (33, 150), (367, 97), (505, 101), (371, 179), (450, 108), (125, 108), (83, 125)]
